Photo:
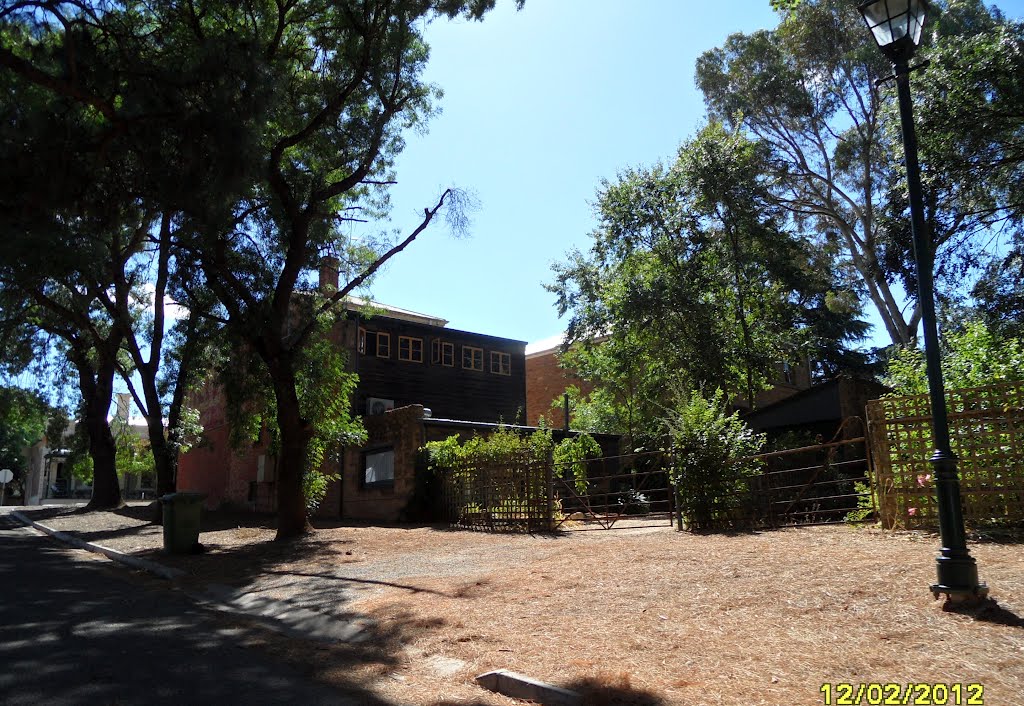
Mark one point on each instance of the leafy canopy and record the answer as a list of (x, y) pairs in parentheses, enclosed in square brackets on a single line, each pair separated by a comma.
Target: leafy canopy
[(692, 281)]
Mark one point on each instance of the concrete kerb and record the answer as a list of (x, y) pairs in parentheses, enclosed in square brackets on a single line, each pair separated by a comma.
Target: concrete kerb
[(164, 572), (518, 686)]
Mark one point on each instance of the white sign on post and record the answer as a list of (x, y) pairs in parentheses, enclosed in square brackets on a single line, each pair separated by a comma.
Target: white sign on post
[(5, 477)]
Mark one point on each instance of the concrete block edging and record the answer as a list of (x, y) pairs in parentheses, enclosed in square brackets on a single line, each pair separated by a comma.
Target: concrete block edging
[(164, 572), (518, 686)]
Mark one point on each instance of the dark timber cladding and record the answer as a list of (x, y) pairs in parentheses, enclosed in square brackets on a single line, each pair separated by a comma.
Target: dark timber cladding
[(456, 374)]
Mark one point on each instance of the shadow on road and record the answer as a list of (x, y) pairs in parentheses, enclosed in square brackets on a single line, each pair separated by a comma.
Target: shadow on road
[(76, 630)]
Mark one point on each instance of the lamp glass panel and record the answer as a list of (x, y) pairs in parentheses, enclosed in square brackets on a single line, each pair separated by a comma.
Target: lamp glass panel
[(887, 20), (893, 20), (917, 13)]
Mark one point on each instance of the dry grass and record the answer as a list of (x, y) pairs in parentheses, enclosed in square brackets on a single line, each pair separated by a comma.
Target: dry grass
[(649, 615), (750, 619)]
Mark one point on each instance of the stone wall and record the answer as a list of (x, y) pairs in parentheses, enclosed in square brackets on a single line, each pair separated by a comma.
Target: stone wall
[(401, 430)]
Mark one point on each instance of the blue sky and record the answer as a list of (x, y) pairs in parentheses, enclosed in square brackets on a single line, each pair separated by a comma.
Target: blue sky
[(540, 105)]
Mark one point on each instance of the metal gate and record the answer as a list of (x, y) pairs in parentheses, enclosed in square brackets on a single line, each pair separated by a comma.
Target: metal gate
[(618, 491), (820, 484)]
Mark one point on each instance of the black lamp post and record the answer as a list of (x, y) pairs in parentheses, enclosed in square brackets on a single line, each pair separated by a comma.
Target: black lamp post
[(896, 26)]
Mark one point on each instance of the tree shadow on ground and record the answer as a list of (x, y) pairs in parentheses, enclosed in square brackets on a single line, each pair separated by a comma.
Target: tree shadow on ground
[(613, 690), (599, 690), (87, 632), (483, 529), (368, 582), (986, 611), (997, 535)]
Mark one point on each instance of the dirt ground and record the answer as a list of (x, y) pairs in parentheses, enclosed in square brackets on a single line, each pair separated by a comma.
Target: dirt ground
[(644, 615)]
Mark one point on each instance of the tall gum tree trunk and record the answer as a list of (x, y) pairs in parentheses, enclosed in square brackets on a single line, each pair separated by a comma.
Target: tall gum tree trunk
[(98, 392), (163, 464), (295, 435)]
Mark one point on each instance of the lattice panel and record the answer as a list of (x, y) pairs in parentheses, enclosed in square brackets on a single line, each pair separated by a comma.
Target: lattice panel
[(511, 495), (986, 433)]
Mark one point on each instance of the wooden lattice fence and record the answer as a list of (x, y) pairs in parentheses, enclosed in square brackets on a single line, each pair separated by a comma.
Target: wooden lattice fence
[(987, 435), (512, 494)]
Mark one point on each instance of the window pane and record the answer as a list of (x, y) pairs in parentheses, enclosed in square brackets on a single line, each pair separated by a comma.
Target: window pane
[(380, 467)]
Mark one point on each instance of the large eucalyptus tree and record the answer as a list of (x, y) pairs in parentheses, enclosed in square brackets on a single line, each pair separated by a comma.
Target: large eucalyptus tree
[(810, 90)]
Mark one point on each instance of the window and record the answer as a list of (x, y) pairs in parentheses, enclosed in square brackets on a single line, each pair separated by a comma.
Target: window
[(379, 467), (501, 363), (376, 343), (442, 353), (410, 349), (472, 358)]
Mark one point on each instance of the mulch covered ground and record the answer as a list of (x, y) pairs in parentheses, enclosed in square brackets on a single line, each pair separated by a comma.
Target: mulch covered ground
[(642, 615)]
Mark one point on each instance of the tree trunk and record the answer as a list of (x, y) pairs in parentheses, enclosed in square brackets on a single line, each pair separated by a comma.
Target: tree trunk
[(292, 520), (163, 463), (97, 388)]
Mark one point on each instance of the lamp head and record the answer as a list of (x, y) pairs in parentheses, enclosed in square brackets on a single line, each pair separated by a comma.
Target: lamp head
[(896, 25)]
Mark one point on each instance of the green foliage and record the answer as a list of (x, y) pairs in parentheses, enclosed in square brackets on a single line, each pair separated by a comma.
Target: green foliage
[(634, 502), (806, 89), (325, 388), (22, 423), (710, 448), (78, 460), (999, 293), (692, 281), (251, 133), (324, 385), (504, 457), (75, 445), (133, 457), (190, 429), (570, 455), (504, 446), (865, 504), (971, 357), (596, 412)]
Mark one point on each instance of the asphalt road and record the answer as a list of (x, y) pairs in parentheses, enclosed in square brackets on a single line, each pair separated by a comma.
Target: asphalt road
[(77, 630)]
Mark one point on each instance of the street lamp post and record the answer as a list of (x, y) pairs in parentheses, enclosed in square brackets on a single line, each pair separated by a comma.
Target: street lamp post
[(896, 27)]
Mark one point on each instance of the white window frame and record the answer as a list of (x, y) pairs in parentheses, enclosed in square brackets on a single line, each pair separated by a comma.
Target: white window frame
[(504, 361), (473, 351), (411, 358)]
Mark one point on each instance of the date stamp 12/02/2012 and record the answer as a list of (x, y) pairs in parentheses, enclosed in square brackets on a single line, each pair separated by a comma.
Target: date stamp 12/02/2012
[(910, 694)]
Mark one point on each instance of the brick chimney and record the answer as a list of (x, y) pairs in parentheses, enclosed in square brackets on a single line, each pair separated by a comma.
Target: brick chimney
[(328, 274)]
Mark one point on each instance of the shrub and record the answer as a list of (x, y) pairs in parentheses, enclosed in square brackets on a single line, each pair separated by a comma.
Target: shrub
[(503, 475), (710, 450)]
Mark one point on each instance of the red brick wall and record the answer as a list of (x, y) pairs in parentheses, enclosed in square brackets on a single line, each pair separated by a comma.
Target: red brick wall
[(545, 381), (203, 468), (214, 468)]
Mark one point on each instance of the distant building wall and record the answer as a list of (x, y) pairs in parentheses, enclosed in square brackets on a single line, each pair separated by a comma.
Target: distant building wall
[(206, 468), (546, 381)]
